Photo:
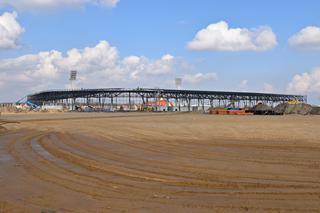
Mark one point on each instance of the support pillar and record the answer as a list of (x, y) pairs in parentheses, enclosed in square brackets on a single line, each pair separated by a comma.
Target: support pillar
[(111, 102), (129, 100), (203, 105)]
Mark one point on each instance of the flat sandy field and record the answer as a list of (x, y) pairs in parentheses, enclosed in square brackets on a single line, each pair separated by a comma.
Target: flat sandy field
[(159, 162)]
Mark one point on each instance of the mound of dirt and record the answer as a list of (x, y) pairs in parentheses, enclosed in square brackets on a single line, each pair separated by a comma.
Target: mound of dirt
[(261, 107), (315, 111), (301, 109), (281, 108)]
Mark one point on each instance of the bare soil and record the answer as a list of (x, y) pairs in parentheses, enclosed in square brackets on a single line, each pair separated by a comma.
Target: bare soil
[(159, 162)]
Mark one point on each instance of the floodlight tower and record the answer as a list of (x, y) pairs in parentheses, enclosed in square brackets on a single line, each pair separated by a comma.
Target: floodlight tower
[(73, 77), (178, 87), (178, 83)]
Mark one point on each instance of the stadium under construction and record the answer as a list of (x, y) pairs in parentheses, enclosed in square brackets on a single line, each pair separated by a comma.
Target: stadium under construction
[(156, 99)]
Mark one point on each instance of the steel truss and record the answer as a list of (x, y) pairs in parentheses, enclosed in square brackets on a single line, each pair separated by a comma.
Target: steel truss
[(187, 98)]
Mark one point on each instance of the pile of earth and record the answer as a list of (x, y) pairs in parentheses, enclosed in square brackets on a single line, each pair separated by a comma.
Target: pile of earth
[(261, 107), (315, 111), (301, 109)]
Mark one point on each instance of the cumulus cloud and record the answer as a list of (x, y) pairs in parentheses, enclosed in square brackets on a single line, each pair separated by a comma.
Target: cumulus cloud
[(141, 67), (307, 82), (268, 88), (199, 77), (243, 84), (10, 30), (308, 37), (50, 4), (98, 66), (219, 37)]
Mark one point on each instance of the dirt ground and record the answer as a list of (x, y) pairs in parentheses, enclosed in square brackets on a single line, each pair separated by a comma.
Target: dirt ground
[(159, 162)]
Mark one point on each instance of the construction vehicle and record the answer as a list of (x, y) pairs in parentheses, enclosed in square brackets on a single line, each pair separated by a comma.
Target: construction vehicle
[(293, 102), (32, 105), (26, 106)]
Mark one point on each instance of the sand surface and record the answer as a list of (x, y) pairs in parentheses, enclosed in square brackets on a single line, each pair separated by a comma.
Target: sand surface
[(159, 162)]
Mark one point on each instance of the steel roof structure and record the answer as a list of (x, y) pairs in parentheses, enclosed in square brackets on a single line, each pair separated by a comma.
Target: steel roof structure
[(146, 93)]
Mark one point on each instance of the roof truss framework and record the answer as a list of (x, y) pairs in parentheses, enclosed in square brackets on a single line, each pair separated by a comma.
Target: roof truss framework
[(145, 93)]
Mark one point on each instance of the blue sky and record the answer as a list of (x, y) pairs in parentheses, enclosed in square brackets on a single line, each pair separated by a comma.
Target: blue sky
[(151, 30)]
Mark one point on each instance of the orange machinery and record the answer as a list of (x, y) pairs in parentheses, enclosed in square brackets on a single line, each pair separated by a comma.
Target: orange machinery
[(229, 112)]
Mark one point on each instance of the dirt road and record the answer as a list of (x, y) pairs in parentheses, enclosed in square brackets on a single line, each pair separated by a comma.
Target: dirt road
[(159, 163)]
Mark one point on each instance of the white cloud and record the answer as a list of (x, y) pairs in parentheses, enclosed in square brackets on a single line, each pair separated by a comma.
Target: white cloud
[(268, 88), (308, 37), (219, 37), (307, 82), (10, 30), (199, 77), (108, 3), (142, 67), (243, 84), (98, 66), (35, 5)]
